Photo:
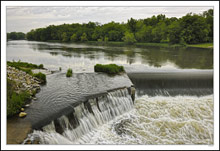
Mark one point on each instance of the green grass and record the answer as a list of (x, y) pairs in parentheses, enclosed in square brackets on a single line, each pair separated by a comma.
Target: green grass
[(138, 44), (40, 76), (69, 73), (27, 67), (24, 65), (142, 44), (204, 45), (14, 100), (109, 68)]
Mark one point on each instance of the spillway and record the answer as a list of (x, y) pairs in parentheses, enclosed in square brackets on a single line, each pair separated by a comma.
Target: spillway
[(169, 108)]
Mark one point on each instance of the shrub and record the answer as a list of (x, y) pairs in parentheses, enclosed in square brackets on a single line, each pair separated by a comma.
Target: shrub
[(40, 76), (69, 73), (28, 71), (15, 100), (110, 68), (41, 66)]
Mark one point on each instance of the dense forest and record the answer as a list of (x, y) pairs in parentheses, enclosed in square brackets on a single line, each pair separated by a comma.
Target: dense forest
[(189, 29), (15, 36)]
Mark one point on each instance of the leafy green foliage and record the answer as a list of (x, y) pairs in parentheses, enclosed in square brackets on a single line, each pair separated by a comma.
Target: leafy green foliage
[(15, 100), (69, 73), (132, 25), (129, 38), (109, 68), (189, 29), (20, 65), (15, 36), (27, 67), (40, 76), (74, 38), (84, 37)]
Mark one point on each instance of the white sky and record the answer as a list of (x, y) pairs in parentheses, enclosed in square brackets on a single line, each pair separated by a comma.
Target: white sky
[(23, 19)]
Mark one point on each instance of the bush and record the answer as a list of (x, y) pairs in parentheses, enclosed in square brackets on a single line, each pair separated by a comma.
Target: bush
[(69, 73), (40, 76), (14, 100), (110, 68), (41, 66)]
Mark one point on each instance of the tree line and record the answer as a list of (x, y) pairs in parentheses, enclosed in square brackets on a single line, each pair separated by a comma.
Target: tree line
[(189, 29), (15, 36)]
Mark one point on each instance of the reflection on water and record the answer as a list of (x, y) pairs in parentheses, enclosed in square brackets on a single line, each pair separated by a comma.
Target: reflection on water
[(82, 57)]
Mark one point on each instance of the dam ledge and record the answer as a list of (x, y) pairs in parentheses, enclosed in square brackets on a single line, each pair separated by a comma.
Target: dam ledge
[(25, 126)]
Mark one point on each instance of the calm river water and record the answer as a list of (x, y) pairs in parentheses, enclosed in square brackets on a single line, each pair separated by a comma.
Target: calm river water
[(82, 58)]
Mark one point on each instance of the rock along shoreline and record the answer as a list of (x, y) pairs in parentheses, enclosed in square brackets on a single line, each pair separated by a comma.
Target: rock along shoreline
[(17, 130)]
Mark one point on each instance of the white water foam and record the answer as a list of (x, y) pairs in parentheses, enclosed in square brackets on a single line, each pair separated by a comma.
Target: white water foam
[(153, 120)]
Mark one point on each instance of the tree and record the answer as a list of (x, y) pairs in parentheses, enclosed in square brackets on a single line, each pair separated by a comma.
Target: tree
[(74, 38), (132, 25), (194, 29), (114, 35), (84, 37), (129, 38), (16, 36), (64, 37), (209, 20), (144, 34), (159, 32), (174, 32)]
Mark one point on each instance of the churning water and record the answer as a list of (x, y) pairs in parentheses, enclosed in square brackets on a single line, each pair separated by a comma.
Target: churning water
[(151, 120)]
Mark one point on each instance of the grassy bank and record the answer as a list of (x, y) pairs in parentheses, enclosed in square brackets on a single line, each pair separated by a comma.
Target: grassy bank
[(123, 44), (27, 67), (204, 45), (166, 45), (17, 97)]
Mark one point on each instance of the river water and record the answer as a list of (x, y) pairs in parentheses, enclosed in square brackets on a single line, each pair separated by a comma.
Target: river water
[(174, 97)]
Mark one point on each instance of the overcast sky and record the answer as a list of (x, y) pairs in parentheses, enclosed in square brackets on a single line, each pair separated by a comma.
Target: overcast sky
[(23, 19)]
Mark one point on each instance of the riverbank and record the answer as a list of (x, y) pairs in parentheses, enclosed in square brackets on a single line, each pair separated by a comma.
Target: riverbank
[(23, 82), (142, 45)]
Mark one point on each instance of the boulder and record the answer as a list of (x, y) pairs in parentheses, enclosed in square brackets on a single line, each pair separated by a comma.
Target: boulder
[(22, 114), (27, 105)]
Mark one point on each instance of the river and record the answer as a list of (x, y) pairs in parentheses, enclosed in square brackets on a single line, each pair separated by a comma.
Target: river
[(174, 97)]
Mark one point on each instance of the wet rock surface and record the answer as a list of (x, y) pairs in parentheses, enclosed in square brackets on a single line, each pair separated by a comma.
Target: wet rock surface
[(120, 128)]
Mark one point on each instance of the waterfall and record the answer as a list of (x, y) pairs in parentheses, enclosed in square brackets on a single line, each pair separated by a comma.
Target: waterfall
[(85, 118)]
